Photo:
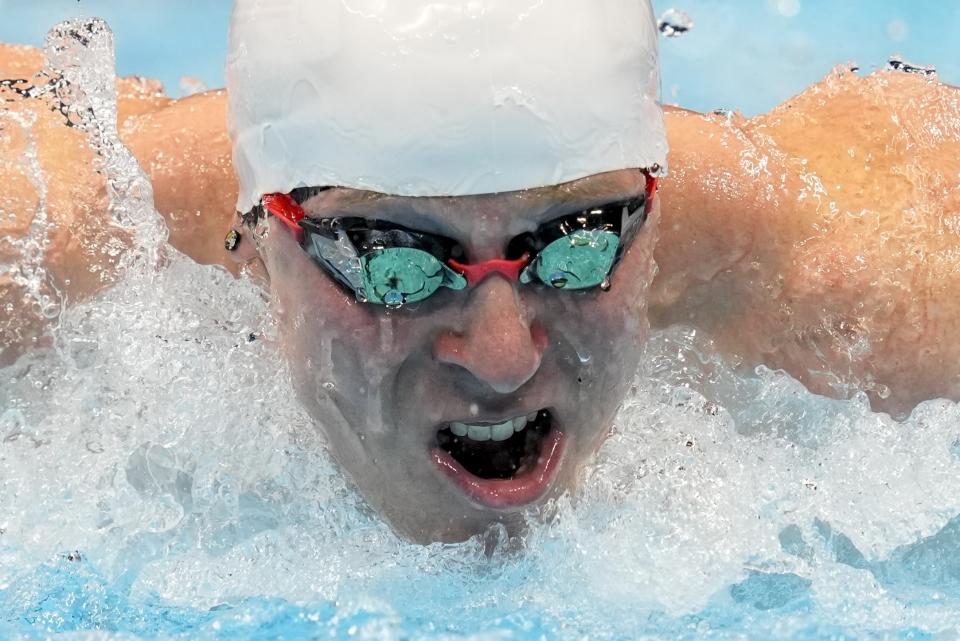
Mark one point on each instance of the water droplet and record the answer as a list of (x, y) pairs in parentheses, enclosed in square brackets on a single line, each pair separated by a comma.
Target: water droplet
[(674, 23), (897, 63), (729, 114), (605, 285), (393, 299), (474, 409)]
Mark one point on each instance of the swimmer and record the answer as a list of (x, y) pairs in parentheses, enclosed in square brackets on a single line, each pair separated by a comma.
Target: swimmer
[(816, 238)]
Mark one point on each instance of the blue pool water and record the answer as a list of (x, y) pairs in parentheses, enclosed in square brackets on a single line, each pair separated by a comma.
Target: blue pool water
[(157, 481)]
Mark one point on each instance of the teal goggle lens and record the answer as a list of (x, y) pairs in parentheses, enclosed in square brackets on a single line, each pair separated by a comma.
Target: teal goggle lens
[(396, 276), (579, 260)]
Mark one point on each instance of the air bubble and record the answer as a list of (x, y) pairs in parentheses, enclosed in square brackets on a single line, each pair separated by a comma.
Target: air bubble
[(558, 280)]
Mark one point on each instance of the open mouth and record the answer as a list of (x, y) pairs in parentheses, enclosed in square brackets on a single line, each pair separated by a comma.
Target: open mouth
[(505, 464)]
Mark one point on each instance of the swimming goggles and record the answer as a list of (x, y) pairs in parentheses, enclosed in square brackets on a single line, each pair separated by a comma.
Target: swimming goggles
[(384, 263)]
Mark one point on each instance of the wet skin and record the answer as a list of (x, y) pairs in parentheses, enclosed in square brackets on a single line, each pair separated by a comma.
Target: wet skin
[(818, 238), (795, 238), (384, 381)]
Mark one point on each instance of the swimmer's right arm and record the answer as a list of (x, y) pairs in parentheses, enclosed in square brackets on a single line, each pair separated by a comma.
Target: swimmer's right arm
[(51, 205), (52, 197)]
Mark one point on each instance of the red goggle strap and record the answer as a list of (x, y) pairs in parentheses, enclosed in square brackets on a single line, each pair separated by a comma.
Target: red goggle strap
[(287, 210), (651, 188)]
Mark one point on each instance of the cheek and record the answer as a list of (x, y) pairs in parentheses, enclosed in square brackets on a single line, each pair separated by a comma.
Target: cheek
[(622, 311), (308, 304), (337, 348), (607, 330), (322, 329)]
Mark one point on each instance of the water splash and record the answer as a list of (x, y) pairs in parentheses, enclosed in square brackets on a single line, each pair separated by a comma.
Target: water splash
[(674, 23), (81, 53), (897, 63), (78, 81), (24, 257), (159, 481)]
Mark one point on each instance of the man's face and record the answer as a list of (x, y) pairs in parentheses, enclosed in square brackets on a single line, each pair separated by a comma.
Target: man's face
[(391, 387)]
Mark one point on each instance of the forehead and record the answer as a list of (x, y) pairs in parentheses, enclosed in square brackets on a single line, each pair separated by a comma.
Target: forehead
[(509, 211)]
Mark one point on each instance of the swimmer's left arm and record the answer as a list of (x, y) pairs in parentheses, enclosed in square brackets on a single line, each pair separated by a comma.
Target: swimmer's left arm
[(821, 238)]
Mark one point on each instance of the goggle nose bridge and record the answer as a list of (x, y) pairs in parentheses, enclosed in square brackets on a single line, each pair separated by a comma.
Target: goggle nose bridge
[(475, 273)]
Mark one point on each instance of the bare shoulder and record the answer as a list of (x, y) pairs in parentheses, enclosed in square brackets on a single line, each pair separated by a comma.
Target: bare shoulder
[(869, 132), (185, 149), (721, 192), (883, 106), (730, 216)]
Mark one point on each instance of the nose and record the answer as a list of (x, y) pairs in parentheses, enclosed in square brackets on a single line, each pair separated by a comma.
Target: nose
[(498, 345)]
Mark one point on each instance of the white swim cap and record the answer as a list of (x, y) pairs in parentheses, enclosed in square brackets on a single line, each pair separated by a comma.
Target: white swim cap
[(440, 98)]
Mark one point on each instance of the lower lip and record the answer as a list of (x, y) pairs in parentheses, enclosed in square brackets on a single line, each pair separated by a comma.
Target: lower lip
[(507, 493)]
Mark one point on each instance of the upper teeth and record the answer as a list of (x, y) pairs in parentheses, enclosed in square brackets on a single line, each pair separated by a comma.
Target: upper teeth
[(496, 432)]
